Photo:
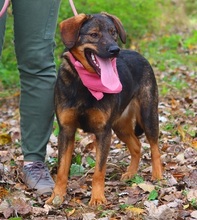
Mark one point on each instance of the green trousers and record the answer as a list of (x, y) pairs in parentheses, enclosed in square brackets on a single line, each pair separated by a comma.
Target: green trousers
[(34, 29)]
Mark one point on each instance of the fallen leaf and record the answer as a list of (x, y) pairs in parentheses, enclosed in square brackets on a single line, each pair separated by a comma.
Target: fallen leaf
[(192, 194), (135, 211), (171, 180), (169, 198), (194, 214), (178, 175), (188, 100), (134, 195), (15, 134), (181, 132), (181, 158), (174, 204), (194, 144), (4, 153), (76, 200), (190, 153), (174, 104), (153, 195), (182, 214), (37, 211), (5, 139), (162, 212), (191, 179), (3, 206), (147, 187), (186, 206), (21, 206), (89, 216), (4, 125), (70, 212), (165, 147), (8, 212), (3, 192), (87, 140)]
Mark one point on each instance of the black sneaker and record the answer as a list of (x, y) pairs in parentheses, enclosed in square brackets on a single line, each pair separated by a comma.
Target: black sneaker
[(37, 176)]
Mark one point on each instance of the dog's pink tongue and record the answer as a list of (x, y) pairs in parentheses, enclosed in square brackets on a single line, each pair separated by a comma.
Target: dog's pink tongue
[(109, 77)]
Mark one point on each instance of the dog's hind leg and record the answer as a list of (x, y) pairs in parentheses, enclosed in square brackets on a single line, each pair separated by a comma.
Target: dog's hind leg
[(151, 129), (148, 105), (134, 147)]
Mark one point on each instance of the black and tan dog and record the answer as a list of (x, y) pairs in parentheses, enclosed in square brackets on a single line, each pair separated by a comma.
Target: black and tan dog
[(101, 87)]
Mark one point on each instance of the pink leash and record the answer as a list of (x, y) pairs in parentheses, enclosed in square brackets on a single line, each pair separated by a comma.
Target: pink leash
[(3, 10), (73, 7)]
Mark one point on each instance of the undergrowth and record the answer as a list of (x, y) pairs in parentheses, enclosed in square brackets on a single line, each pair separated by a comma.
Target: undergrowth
[(150, 30)]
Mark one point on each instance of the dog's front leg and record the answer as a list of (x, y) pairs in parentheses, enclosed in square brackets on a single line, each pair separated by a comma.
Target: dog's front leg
[(65, 156), (98, 182)]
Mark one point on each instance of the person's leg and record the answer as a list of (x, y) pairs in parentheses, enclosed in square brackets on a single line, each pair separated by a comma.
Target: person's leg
[(34, 29), (2, 27)]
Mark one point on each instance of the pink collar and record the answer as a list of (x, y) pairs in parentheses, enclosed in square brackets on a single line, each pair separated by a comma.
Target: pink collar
[(97, 85)]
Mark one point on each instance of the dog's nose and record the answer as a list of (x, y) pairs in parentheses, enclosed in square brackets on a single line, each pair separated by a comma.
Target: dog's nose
[(114, 50)]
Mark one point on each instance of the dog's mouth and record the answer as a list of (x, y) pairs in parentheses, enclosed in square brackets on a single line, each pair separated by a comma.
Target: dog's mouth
[(92, 60), (99, 64), (105, 68)]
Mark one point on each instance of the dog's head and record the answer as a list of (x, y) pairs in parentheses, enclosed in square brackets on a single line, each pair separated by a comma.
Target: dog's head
[(92, 37)]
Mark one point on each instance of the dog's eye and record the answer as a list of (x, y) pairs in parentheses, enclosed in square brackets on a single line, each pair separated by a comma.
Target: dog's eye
[(113, 33), (94, 35)]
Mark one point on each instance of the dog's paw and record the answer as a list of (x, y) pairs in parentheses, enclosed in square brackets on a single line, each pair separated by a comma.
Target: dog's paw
[(97, 201), (127, 176), (55, 200), (157, 176), (157, 173)]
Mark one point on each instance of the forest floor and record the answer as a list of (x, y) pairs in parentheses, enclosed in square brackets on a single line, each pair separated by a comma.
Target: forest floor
[(174, 197)]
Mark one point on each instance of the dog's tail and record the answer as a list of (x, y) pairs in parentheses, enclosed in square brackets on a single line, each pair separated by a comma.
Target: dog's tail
[(138, 130)]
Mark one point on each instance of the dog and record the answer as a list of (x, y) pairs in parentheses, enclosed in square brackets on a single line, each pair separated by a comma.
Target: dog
[(101, 88)]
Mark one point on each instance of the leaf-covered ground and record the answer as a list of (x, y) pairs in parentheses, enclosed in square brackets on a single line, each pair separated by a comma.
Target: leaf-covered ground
[(175, 197)]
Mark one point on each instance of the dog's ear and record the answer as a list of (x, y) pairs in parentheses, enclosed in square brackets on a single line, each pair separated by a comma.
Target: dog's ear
[(70, 28), (119, 26)]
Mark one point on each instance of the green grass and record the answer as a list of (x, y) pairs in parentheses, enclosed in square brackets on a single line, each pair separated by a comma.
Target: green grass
[(149, 26), (170, 52), (135, 180)]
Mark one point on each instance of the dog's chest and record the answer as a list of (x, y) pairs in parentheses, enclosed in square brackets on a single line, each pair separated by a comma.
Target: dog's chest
[(92, 115), (92, 119)]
